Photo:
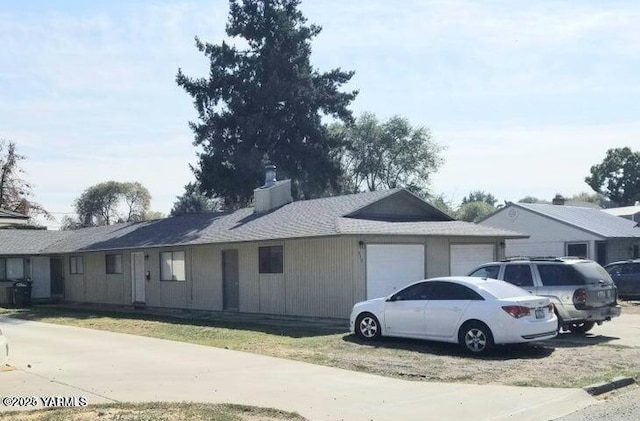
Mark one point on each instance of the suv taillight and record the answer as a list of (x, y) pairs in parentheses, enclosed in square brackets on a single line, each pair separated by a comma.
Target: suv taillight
[(517, 311), (580, 298)]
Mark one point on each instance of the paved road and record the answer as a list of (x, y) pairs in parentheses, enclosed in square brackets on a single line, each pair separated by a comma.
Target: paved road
[(53, 360)]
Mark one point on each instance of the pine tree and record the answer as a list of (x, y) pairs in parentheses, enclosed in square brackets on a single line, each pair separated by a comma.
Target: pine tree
[(266, 103)]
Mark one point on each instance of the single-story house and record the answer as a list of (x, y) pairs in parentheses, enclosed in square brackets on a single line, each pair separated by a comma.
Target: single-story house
[(558, 230), (629, 212), (10, 219), (309, 258)]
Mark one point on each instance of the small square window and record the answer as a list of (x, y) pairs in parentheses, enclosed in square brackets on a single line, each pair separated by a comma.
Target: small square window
[(172, 267), (271, 259), (577, 250), (113, 263), (76, 265)]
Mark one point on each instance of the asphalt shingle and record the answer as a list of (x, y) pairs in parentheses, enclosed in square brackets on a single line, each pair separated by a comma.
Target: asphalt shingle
[(308, 218)]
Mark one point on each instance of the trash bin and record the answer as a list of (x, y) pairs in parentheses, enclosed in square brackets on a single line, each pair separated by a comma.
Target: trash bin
[(22, 294)]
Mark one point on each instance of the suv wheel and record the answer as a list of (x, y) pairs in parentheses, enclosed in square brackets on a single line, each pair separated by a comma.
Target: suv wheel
[(581, 328)]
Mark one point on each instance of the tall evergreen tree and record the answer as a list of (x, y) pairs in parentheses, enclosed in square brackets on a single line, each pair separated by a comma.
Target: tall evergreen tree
[(265, 103)]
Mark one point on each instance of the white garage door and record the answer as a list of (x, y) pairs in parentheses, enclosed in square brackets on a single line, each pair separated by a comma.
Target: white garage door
[(465, 257), (392, 266)]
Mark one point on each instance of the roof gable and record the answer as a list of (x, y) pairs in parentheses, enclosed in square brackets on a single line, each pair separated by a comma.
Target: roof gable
[(401, 205)]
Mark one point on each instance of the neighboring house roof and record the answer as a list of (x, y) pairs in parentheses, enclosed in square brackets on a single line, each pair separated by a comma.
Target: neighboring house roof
[(623, 211), (348, 214), (12, 215), (582, 204), (10, 218), (19, 242), (588, 219)]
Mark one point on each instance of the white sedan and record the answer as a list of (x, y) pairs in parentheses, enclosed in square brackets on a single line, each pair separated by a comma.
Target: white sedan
[(474, 312), (4, 349)]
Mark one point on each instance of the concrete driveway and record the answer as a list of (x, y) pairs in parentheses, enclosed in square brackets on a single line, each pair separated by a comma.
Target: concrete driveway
[(52, 360), (623, 330)]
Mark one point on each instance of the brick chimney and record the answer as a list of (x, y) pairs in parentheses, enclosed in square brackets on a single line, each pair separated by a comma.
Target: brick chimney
[(558, 200), (273, 193)]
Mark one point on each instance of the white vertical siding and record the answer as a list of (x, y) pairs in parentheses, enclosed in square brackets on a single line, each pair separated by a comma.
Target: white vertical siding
[(319, 277), (206, 278), (547, 236)]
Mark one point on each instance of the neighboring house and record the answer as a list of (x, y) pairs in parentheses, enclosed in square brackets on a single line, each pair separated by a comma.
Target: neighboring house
[(628, 212), (9, 219), (558, 230), (309, 258)]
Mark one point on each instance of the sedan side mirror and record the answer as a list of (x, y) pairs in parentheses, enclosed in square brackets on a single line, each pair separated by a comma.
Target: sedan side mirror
[(392, 298)]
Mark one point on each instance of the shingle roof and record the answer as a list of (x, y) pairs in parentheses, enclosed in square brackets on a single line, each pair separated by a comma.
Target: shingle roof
[(588, 219), (13, 215), (14, 242), (308, 218)]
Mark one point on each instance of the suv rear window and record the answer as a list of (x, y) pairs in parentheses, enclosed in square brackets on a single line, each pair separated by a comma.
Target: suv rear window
[(592, 271), (554, 275)]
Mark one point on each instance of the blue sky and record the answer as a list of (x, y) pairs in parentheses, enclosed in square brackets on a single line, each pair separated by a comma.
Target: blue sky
[(525, 96)]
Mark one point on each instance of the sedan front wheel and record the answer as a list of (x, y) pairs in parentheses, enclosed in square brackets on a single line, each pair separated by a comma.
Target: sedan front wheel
[(367, 326)]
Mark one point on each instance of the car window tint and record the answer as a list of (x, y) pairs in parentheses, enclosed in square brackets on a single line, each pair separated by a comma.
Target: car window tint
[(413, 292), (452, 291), (519, 275), (486, 272), (588, 271), (614, 270), (553, 275), (629, 269)]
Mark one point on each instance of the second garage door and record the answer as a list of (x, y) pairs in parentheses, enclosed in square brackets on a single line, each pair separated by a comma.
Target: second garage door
[(465, 257)]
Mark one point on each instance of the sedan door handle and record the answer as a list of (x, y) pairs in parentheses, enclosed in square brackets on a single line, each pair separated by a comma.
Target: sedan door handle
[(456, 309)]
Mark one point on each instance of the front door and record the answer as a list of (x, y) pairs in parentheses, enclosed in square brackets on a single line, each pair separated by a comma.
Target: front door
[(230, 280), (57, 277), (601, 253), (137, 276)]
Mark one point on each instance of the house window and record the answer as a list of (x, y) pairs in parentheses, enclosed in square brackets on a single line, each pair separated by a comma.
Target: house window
[(15, 268), (577, 250), (172, 266), (270, 259), (76, 265), (113, 263), (11, 268)]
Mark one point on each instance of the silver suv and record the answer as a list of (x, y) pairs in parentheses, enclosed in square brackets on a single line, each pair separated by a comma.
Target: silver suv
[(581, 290)]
